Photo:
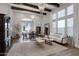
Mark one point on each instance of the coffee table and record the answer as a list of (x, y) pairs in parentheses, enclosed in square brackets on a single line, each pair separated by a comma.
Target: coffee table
[(48, 41), (40, 41)]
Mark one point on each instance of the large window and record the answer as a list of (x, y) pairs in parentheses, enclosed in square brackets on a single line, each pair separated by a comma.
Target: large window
[(61, 13), (61, 26), (70, 10), (54, 26), (64, 18), (70, 26)]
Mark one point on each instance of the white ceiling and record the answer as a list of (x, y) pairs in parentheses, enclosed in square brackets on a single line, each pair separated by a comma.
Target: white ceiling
[(33, 9), (46, 5)]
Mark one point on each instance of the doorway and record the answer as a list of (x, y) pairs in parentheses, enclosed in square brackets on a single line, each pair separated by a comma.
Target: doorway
[(26, 28), (47, 29)]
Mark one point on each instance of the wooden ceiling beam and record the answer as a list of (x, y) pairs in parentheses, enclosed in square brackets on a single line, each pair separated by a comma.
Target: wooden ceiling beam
[(22, 9), (34, 6), (54, 4)]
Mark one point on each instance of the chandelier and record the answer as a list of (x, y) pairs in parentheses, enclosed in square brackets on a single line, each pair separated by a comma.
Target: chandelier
[(41, 7)]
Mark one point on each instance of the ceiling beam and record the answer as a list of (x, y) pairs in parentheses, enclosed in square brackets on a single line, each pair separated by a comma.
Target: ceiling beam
[(22, 9), (54, 4), (30, 5), (34, 6)]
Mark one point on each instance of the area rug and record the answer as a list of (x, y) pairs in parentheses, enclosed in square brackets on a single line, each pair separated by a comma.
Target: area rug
[(33, 49)]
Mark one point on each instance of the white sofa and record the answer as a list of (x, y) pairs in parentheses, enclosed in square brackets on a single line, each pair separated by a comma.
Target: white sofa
[(61, 38)]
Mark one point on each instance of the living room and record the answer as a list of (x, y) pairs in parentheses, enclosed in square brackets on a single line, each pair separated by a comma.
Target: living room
[(39, 28)]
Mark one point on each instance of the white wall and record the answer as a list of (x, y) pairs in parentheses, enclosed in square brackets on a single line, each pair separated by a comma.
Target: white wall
[(76, 26), (19, 15), (5, 8), (48, 19)]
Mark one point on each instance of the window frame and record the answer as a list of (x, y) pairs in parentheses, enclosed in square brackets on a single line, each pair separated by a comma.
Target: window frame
[(63, 27), (69, 10), (64, 17), (72, 25), (59, 13)]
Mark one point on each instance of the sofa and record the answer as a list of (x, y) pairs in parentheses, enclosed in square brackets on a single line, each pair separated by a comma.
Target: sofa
[(60, 38)]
